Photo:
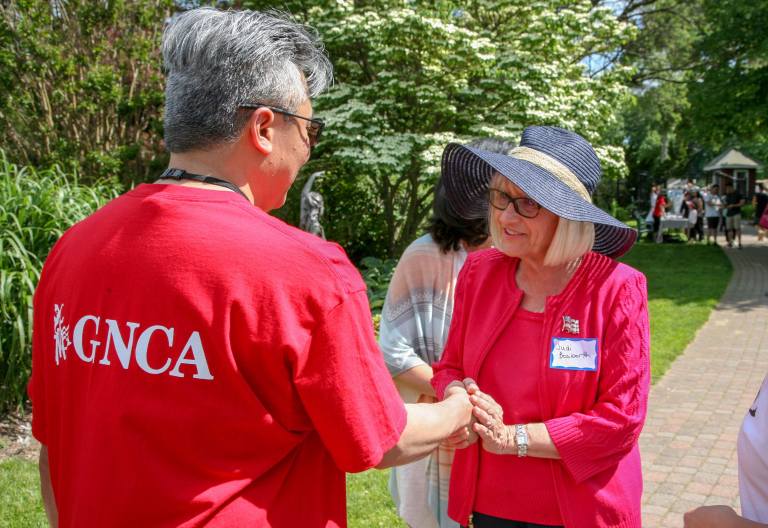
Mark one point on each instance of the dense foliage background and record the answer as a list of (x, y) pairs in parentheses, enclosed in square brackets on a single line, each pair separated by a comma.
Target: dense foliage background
[(36, 207), (81, 82), (659, 87)]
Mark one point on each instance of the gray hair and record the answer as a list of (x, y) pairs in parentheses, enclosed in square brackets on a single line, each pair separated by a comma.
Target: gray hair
[(217, 60)]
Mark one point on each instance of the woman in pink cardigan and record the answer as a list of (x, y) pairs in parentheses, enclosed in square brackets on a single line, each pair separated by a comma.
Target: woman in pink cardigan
[(551, 336)]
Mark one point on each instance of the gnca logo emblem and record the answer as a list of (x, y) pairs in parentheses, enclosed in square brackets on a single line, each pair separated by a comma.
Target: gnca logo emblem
[(155, 349), (60, 333)]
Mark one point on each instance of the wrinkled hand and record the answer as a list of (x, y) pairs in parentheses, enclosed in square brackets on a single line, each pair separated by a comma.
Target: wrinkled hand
[(489, 425), (710, 517)]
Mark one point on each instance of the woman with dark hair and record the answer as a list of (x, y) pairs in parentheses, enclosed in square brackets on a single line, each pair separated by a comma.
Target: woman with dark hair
[(415, 320)]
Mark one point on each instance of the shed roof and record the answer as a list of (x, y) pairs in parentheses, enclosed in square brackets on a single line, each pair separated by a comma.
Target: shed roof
[(732, 159)]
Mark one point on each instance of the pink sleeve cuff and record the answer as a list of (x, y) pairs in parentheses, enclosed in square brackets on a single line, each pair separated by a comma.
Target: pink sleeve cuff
[(575, 454), (441, 380)]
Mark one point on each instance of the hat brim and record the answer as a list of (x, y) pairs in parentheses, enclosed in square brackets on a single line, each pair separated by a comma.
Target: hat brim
[(613, 238)]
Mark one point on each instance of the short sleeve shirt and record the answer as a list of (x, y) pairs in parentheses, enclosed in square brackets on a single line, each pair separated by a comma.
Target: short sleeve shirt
[(732, 199), (712, 203), (753, 458), (197, 362)]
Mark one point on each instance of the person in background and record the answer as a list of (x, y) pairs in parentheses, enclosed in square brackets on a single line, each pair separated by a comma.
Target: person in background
[(689, 211), (554, 334), (753, 475), (414, 325), (195, 360), (732, 205), (698, 202), (658, 213), (760, 202), (712, 205), (652, 203)]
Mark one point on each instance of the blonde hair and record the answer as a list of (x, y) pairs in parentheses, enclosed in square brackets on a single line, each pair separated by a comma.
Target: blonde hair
[(572, 238)]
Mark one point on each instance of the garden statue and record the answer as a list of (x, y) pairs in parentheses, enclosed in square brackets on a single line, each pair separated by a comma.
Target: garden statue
[(312, 207)]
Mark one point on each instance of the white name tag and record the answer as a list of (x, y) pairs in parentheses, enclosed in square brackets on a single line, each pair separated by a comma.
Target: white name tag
[(573, 353)]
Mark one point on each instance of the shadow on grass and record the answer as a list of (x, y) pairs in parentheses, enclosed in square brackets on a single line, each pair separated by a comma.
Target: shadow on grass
[(682, 273), (685, 283)]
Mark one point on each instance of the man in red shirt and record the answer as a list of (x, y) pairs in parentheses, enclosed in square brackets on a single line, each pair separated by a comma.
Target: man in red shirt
[(195, 360)]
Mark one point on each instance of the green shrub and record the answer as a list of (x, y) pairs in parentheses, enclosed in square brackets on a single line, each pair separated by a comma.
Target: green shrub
[(81, 83), (377, 274), (621, 212), (36, 207), (748, 212)]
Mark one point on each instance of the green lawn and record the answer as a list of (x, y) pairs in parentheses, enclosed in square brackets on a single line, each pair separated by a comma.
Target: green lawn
[(20, 504), (369, 502), (684, 284), (21, 507)]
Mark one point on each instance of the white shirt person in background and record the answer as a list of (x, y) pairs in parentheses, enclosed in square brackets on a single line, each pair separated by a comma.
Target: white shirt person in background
[(712, 205), (653, 196)]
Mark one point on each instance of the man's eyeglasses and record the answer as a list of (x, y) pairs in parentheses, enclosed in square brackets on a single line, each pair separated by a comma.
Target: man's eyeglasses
[(523, 205), (314, 128)]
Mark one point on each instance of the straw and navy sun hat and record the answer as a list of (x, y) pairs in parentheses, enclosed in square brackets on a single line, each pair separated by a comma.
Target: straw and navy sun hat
[(556, 167), (466, 198)]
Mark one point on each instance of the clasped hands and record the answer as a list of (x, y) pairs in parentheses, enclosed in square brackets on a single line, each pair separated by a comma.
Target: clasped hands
[(487, 423)]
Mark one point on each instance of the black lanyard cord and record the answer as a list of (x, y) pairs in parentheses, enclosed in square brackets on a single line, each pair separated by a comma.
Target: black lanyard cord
[(179, 174)]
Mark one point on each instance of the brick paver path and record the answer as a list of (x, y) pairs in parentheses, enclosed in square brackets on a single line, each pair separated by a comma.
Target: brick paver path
[(688, 444)]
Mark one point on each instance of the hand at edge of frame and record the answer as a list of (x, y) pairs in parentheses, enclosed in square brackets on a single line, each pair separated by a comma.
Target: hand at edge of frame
[(717, 517), (465, 436)]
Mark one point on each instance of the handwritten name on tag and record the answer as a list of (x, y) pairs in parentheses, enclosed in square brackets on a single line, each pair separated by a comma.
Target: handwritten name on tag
[(573, 353)]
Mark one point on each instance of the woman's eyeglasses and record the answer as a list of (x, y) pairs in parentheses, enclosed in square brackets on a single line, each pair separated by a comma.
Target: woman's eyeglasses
[(523, 205), (314, 128)]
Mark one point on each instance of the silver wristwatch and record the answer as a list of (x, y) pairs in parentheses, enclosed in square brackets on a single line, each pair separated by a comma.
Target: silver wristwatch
[(521, 439)]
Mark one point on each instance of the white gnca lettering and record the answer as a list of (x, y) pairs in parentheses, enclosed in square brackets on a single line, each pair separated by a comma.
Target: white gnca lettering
[(151, 348)]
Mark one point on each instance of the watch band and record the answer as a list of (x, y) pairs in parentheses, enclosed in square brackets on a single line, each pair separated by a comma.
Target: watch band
[(521, 439)]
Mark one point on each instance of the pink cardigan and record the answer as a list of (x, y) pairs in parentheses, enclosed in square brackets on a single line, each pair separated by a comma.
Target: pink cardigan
[(596, 420)]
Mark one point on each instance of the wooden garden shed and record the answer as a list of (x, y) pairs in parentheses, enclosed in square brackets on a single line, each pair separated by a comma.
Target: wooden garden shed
[(733, 166)]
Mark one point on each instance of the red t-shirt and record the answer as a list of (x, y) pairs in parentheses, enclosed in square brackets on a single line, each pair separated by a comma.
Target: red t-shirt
[(509, 373), (199, 362), (658, 209)]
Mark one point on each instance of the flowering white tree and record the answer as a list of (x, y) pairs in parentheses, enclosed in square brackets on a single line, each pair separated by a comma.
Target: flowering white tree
[(413, 75)]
